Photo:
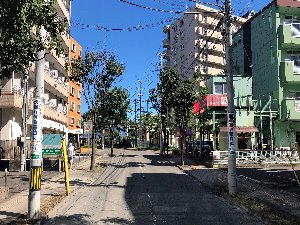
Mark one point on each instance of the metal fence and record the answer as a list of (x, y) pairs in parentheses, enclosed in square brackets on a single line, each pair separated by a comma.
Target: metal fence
[(248, 156)]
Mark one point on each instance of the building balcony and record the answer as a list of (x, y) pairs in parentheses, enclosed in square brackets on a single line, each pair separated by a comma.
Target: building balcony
[(166, 43), (55, 113), (290, 109), (166, 29), (58, 61), (289, 37), (62, 6), (289, 72), (166, 54), (11, 99), (56, 84), (66, 39)]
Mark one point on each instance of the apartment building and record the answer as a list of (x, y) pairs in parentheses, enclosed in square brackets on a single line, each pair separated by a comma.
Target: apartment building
[(267, 48), (55, 96), (194, 42), (74, 98)]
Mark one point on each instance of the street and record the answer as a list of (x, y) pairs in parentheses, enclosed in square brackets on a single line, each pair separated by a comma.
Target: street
[(141, 187)]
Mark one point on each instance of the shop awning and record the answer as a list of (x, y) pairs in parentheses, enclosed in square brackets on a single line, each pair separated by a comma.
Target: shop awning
[(240, 129)]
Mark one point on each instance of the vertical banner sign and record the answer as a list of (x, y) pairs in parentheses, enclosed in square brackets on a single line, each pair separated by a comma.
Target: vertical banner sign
[(231, 133), (36, 150)]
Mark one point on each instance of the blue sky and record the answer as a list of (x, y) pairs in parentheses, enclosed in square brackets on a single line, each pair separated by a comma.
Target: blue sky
[(137, 49)]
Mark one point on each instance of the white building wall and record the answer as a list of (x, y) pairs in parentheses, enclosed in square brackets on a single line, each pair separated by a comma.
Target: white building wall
[(10, 124), (187, 37)]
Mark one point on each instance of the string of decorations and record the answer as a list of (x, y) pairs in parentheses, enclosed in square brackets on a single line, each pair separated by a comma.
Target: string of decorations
[(146, 7), (168, 3), (134, 28)]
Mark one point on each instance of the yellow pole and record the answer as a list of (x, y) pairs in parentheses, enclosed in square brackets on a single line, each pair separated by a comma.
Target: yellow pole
[(66, 166)]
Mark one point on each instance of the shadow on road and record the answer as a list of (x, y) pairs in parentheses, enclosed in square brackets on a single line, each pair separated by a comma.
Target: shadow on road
[(76, 219), (169, 198)]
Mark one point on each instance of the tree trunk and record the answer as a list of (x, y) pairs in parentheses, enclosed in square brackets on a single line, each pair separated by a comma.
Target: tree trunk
[(112, 143), (103, 139), (92, 167)]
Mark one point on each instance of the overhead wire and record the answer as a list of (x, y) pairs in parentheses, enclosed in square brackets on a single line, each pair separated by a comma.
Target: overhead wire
[(150, 8)]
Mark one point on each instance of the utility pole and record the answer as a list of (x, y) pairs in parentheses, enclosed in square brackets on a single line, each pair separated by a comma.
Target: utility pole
[(161, 135), (34, 198), (135, 127), (232, 182), (140, 125), (24, 118), (147, 106)]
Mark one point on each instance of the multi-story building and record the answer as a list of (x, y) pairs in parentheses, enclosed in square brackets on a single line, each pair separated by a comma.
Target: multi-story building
[(74, 99), (194, 42), (55, 96), (216, 111), (267, 48)]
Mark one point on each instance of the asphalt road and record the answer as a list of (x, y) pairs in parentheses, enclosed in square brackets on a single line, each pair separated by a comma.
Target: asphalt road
[(142, 188)]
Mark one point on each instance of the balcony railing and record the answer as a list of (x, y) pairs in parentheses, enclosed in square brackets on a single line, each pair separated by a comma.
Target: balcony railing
[(14, 99), (166, 43), (289, 36), (290, 72), (290, 109), (52, 78), (11, 99), (62, 4), (54, 112)]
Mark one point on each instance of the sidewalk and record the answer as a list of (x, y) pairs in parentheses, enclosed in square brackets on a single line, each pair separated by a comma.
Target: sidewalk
[(53, 184)]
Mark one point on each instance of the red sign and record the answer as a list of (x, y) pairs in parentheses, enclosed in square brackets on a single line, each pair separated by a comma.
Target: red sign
[(216, 100)]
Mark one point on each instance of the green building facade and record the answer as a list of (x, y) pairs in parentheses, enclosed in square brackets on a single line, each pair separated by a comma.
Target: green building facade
[(217, 107), (267, 48)]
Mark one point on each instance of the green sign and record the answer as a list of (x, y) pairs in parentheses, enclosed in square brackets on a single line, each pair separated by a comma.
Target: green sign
[(51, 152), (34, 156), (51, 144)]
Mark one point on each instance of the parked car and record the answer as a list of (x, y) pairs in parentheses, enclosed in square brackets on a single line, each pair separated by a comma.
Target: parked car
[(206, 148)]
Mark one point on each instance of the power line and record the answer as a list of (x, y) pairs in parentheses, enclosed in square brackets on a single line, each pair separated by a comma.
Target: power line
[(133, 28), (146, 7)]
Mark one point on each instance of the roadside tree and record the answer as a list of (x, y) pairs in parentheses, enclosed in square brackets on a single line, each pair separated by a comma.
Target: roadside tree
[(20, 40), (97, 71)]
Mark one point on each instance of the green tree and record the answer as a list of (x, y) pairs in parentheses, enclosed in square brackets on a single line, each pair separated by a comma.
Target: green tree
[(20, 40), (113, 111), (183, 102), (162, 98), (97, 71), (174, 96)]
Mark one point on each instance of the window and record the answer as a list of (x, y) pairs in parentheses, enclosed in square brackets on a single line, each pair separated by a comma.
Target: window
[(72, 106), (204, 19), (295, 57), (79, 108), (79, 94), (73, 47), (220, 88), (79, 53), (72, 121), (297, 102), (79, 123), (72, 91)]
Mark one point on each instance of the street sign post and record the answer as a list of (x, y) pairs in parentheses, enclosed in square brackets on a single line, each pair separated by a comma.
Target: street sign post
[(88, 128)]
